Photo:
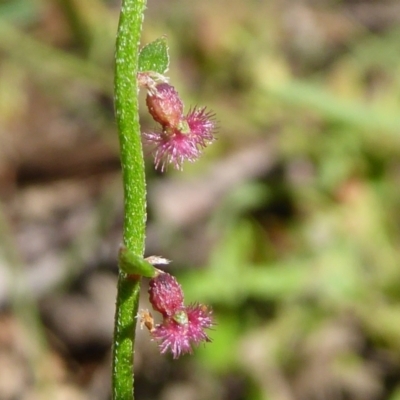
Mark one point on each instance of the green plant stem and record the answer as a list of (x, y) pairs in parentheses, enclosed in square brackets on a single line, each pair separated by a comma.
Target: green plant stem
[(126, 110)]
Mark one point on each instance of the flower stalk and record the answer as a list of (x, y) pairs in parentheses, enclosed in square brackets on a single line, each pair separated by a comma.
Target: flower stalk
[(181, 138), (132, 165)]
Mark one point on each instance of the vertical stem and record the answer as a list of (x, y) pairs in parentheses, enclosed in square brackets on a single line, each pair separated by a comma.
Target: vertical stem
[(127, 116)]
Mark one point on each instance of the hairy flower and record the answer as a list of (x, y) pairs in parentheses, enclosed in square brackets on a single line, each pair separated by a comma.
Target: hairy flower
[(185, 328), (181, 137), (165, 105), (171, 146), (182, 326), (166, 295), (201, 125)]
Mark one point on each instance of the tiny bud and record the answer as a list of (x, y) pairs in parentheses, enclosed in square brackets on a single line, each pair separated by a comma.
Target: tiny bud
[(165, 105), (181, 317), (149, 80), (146, 319), (157, 260)]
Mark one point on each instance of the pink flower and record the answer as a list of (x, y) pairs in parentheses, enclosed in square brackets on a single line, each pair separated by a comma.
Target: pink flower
[(171, 146), (181, 137), (185, 328), (166, 295), (201, 125), (164, 105), (182, 326)]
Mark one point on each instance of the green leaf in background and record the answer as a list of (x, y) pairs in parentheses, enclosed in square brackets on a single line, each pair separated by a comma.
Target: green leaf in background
[(396, 394), (154, 57), (223, 353), (18, 11)]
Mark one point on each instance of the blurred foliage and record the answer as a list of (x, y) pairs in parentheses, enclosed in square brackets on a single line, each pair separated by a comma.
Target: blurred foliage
[(303, 271)]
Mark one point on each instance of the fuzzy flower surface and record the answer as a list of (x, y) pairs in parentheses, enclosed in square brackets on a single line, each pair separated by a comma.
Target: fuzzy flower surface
[(182, 327), (180, 137), (166, 295), (164, 105)]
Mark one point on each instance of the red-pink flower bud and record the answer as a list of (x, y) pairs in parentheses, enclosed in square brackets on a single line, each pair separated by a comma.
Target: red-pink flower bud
[(165, 105), (165, 294)]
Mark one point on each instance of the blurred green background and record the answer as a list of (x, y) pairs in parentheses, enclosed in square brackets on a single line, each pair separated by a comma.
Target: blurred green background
[(288, 226)]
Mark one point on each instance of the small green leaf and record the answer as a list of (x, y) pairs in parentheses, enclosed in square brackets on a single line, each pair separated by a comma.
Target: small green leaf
[(132, 264), (154, 57)]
